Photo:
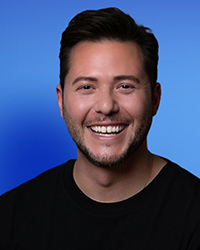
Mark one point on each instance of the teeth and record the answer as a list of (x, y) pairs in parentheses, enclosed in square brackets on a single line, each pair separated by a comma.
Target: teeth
[(108, 129), (103, 129)]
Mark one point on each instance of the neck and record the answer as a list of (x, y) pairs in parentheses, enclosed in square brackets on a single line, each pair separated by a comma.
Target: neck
[(116, 183)]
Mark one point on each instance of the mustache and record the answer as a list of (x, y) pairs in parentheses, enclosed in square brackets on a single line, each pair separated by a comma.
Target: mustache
[(109, 118)]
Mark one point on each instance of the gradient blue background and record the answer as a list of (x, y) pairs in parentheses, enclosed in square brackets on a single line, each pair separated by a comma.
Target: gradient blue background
[(33, 137)]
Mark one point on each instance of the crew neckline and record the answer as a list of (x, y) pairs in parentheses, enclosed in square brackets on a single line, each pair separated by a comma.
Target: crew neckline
[(129, 205)]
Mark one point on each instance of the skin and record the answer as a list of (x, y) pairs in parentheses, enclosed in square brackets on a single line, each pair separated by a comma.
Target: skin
[(106, 86)]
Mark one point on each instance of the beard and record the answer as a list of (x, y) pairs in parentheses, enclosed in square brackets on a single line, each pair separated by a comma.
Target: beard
[(106, 160)]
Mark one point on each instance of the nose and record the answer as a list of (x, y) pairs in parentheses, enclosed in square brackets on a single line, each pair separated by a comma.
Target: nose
[(106, 103)]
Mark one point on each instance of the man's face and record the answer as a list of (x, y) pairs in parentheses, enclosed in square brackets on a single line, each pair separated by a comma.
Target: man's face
[(107, 101)]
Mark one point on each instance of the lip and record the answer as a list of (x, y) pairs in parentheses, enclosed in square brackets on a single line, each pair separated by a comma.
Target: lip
[(108, 136), (107, 123), (107, 130)]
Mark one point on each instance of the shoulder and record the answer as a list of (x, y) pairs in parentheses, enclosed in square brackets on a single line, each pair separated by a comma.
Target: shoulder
[(181, 175), (177, 187), (182, 187), (38, 188), (186, 202), (179, 179), (28, 207)]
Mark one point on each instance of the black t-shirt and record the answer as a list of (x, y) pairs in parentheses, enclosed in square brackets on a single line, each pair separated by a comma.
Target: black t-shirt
[(50, 212)]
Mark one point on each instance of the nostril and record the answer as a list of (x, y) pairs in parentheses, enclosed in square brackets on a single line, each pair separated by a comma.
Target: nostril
[(106, 104)]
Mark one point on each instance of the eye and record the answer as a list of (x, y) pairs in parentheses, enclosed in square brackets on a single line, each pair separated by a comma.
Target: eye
[(126, 87), (86, 89)]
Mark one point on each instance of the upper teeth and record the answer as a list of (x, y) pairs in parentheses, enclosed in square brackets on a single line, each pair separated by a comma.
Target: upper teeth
[(107, 129)]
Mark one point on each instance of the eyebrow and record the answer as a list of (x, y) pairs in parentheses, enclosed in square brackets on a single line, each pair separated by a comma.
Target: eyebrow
[(127, 77), (116, 78), (84, 78)]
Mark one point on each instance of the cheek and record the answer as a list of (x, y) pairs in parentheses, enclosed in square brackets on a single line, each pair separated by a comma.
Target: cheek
[(138, 107), (77, 107)]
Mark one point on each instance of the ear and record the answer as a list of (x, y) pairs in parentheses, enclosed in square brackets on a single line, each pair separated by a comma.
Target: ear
[(59, 94), (156, 98)]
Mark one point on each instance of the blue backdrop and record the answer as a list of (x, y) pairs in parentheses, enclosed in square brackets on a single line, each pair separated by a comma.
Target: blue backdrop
[(33, 137)]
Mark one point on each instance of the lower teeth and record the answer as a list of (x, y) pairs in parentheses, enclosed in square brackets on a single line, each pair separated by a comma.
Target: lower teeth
[(105, 134)]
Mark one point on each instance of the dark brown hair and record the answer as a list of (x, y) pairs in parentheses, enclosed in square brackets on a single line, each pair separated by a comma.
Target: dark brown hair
[(108, 24)]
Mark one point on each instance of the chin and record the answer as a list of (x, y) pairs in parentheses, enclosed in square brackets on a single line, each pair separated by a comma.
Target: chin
[(106, 160)]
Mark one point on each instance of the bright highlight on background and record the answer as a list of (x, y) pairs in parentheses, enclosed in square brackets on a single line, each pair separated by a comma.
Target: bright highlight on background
[(33, 137)]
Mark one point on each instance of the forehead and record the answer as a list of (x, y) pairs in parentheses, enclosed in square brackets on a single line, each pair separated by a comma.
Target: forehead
[(106, 57), (110, 46)]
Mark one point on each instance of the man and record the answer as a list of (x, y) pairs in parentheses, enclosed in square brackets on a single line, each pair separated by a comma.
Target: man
[(116, 194)]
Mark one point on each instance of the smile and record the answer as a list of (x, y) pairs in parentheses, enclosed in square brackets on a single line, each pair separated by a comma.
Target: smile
[(107, 130)]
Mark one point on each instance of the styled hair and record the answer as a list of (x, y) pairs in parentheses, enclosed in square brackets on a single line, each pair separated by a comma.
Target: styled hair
[(108, 24)]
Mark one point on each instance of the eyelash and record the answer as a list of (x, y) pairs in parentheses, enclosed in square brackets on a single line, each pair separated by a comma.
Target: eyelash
[(128, 87), (85, 87)]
